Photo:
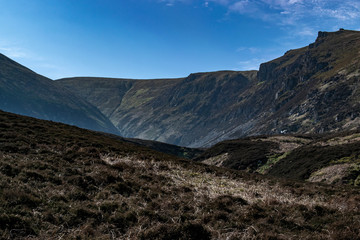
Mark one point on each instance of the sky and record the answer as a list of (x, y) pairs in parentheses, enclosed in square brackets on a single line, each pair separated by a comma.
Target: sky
[(146, 39)]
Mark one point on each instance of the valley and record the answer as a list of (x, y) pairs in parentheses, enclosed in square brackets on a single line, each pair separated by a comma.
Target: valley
[(272, 153)]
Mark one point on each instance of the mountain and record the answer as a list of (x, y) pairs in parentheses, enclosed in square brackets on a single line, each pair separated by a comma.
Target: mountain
[(24, 92), (186, 111), (63, 182), (313, 89)]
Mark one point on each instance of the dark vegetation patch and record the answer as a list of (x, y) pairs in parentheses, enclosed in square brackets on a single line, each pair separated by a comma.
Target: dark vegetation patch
[(243, 154), (183, 152), (61, 187), (315, 151), (301, 162)]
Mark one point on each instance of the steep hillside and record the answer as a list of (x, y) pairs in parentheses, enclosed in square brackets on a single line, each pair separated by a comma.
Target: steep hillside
[(63, 182), (187, 112), (329, 158), (313, 89), (24, 92), (308, 90)]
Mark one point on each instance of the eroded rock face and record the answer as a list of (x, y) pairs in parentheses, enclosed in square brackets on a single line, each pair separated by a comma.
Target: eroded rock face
[(311, 89), (314, 89)]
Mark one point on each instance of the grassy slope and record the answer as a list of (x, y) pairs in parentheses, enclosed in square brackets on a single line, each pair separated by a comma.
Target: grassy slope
[(330, 150), (58, 181), (302, 157)]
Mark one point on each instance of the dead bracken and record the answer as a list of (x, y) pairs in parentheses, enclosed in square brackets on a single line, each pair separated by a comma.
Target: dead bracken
[(68, 183)]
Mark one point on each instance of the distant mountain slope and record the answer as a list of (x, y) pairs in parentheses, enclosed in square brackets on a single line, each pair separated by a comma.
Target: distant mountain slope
[(24, 92), (63, 182), (188, 111), (313, 89)]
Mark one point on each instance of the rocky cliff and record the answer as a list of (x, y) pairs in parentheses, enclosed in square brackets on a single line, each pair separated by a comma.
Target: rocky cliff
[(313, 89)]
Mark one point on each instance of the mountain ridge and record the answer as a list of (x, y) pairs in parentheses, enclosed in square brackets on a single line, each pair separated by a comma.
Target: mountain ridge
[(312, 89), (288, 94)]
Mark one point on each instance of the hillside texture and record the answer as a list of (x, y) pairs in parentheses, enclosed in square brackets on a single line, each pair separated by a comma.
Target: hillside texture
[(313, 89), (308, 90), (328, 158), (189, 112), (24, 92), (63, 182)]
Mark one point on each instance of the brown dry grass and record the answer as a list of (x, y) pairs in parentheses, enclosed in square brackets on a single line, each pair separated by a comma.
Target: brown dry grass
[(61, 182)]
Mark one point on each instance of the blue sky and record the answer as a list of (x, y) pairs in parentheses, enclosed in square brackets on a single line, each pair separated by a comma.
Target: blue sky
[(162, 38)]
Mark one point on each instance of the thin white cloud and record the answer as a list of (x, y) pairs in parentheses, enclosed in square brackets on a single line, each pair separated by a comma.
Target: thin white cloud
[(251, 50), (13, 49), (306, 32), (13, 52), (250, 58), (250, 64), (222, 2), (301, 19), (245, 7), (171, 3), (286, 12), (30, 60), (290, 11)]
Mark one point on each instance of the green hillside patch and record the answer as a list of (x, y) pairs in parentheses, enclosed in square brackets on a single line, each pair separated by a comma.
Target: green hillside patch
[(137, 98), (306, 160), (272, 160)]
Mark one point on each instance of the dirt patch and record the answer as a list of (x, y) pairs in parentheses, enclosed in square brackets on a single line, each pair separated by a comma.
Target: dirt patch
[(331, 174)]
